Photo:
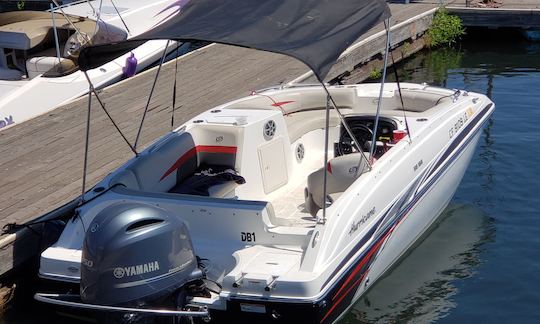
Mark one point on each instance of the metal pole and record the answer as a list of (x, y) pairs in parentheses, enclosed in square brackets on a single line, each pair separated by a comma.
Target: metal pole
[(347, 128), (174, 88), (325, 167), (98, 17), (87, 144), (376, 125), (151, 93), (120, 16), (55, 299), (93, 90), (55, 34), (93, 9), (69, 20)]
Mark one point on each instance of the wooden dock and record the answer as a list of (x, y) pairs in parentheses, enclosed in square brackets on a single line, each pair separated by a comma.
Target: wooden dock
[(41, 160)]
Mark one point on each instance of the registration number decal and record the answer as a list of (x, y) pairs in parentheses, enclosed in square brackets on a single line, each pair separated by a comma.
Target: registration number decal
[(458, 124), (247, 236), (253, 308)]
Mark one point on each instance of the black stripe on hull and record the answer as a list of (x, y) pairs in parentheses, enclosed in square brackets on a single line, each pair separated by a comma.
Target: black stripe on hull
[(451, 153)]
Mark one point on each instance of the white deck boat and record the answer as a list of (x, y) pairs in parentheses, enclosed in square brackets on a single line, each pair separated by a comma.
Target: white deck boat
[(34, 80), (245, 211)]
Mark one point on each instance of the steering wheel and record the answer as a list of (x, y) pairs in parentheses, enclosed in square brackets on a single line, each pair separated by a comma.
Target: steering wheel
[(74, 44), (346, 144)]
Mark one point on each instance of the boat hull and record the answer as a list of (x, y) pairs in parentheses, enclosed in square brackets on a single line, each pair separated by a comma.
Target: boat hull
[(417, 218), (312, 273)]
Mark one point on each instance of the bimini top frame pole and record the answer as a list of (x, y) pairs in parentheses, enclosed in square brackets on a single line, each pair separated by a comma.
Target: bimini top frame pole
[(151, 93), (347, 128), (55, 30), (379, 103)]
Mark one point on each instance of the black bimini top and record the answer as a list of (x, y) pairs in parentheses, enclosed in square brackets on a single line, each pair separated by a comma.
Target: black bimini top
[(315, 32)]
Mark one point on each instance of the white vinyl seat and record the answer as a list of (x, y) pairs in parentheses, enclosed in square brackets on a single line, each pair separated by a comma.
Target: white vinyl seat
[(303, 122), (177, 166), (342, 172), (41, 64)]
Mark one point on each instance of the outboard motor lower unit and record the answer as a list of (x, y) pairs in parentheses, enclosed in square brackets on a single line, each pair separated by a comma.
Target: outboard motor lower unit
[(134, 255)]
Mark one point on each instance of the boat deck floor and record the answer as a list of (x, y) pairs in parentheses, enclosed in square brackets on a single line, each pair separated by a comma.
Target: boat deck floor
[(288, 202)]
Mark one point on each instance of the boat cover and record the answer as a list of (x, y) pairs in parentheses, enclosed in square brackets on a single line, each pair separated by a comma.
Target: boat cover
[(314, 31)]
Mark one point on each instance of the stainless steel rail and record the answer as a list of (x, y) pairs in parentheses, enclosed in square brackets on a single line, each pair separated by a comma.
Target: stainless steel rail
[(64, 300)]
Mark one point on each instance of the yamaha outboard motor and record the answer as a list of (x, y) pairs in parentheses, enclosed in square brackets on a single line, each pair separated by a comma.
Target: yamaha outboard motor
[(136, 255)]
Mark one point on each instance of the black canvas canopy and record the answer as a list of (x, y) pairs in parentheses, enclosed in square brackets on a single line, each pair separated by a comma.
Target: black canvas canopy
[(315, 32)]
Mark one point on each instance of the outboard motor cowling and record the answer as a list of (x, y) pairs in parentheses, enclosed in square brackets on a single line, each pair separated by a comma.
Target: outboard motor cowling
[(135, 254)]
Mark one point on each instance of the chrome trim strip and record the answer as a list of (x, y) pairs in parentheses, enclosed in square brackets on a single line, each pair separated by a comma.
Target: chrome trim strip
[(56, 299)]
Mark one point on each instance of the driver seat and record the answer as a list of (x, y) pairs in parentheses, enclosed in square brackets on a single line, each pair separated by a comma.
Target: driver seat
[(342, 172)]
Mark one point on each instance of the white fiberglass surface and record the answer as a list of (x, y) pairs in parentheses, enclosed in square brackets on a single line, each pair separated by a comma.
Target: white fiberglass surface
[(7, 87), (289, 201), (139, 15)]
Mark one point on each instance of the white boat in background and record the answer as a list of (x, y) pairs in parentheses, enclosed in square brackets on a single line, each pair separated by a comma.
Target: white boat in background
[(34, 80)]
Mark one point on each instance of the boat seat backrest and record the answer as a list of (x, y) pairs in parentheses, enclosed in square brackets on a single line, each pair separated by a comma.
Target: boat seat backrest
[(159, 169), (418, 100), (171, 162), (291, 102), (342, 172), (303, 122)]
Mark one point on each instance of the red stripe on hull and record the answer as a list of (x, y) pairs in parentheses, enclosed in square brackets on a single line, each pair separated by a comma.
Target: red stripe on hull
[(281, 103), (374, 249)]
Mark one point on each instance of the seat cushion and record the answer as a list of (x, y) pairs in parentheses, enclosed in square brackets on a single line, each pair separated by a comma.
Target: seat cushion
[(214, 181), (303, 122), (41, 64), (342, 172)]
